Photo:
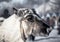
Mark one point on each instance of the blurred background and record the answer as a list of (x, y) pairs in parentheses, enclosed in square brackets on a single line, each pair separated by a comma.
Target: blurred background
[(41, 6), (8, 4), (48, 10)]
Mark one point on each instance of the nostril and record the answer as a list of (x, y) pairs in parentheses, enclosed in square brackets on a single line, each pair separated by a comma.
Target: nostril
[(44, 31), (31, 37)]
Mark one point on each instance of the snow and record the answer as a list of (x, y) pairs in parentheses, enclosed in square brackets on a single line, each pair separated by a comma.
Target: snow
[(46, 39), (53, 37), (53, 33)]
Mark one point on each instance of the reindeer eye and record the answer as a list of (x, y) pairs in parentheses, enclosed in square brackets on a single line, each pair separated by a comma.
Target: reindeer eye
[(30, 18)]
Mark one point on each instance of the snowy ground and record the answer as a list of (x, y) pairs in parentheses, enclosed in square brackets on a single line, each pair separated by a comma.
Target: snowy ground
[(53, 37), (46, 39)]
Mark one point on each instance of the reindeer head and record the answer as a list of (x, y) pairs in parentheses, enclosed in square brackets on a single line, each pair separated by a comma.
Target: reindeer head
[(31, 22)]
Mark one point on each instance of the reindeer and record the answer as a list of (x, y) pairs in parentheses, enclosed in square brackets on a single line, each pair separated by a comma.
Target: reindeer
[(24, 23)]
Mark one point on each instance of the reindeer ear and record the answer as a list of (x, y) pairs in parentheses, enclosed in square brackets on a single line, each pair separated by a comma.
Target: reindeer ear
[(15, 10), (34, 11)]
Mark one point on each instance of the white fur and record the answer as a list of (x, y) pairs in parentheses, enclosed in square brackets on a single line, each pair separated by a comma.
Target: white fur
[(10, 30)]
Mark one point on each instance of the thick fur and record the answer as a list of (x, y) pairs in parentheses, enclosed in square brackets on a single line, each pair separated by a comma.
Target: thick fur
[(21, 25)]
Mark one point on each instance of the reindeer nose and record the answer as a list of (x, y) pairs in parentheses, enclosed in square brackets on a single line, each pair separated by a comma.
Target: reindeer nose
[(31, 37)]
